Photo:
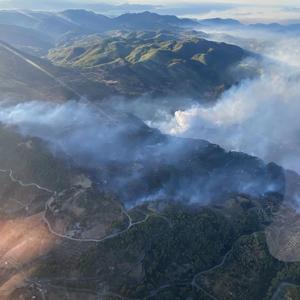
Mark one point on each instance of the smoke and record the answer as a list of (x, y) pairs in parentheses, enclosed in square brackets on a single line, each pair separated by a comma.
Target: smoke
[(137, 162), (82, 130), (259, 116)]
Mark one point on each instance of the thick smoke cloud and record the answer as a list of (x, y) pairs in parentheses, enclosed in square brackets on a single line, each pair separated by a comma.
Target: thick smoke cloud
[(259, 116), (139, 163), (75, 128), (136, 162)]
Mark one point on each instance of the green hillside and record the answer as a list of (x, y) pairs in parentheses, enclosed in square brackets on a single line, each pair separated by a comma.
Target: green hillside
[(159, 249), (155, 62)]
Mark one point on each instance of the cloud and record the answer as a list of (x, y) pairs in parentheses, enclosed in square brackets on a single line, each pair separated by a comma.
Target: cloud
[(253, 13), (108, 7)]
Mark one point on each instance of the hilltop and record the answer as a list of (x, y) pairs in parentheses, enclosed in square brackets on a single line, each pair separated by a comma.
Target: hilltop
[(158, 63), (82, 21)]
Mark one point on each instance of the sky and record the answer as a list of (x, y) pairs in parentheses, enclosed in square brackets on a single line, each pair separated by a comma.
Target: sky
[(170, 2), (247, 11), (248, 2), (253, 14)]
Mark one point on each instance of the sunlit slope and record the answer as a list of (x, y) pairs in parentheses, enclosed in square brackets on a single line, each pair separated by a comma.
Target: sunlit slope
[(155, 62)]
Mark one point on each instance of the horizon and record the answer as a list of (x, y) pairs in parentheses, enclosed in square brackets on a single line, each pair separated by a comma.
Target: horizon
[(258, 12)]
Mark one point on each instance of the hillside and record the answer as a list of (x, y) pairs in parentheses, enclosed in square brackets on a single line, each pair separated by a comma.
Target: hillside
[(97, 203), (22, 78), (158, 63), (28, 40), (92, 246), (130, 55), (25, 77)]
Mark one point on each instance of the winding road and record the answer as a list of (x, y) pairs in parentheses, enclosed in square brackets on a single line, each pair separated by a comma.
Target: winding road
[(131, 224)]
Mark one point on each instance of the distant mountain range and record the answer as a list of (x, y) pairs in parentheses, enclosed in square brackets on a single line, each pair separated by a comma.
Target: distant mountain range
[(105, 7), (56, 25), (132, 54), (83, 21), (55, 5)]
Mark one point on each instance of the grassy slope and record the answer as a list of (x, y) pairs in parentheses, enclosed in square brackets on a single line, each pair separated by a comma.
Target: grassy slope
[(157, 62)]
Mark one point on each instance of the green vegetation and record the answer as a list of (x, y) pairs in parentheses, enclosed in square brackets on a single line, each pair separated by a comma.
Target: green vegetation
[(159, 62), (180, 245)]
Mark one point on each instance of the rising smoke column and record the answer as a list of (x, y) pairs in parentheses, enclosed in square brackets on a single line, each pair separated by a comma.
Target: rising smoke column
[(260, 116)]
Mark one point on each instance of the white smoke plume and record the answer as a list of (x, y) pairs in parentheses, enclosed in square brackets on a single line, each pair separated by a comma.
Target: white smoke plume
[(260, 116), (137, 162)]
